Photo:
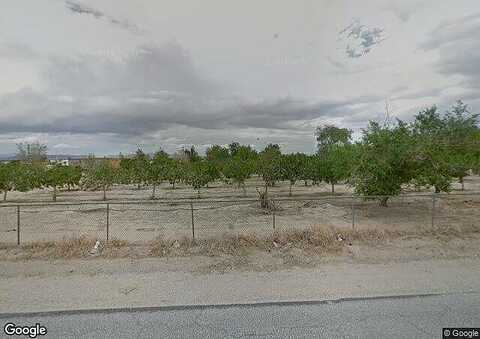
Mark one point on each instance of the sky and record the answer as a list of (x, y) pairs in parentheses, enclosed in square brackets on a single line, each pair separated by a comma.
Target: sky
[(110, 76)]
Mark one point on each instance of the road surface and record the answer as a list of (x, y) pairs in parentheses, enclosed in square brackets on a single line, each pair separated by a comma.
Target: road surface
[(388, 317)]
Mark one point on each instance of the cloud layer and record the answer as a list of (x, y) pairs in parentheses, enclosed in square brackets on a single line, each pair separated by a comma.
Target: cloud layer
[(76, 77)]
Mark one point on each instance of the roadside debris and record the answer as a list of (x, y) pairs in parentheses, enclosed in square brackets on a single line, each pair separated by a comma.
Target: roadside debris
[(97, 248)]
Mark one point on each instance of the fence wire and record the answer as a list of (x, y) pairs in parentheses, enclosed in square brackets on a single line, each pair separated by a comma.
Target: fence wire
[(140, 221)]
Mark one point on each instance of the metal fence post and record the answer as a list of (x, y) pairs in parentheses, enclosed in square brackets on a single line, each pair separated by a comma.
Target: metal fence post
[(18, 224), (353, 214), (434, 196), (273, 214), (193, 222), (108, 221)]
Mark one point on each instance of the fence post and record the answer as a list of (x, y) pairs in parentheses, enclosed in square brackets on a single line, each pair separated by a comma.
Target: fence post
[(353, 214), (273, 214), (193, 222), (434, 196), (18, 224), (108, 221)]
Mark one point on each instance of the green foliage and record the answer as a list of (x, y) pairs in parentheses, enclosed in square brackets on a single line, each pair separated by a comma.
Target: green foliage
[(198, 174), (191, 154), (16, 176), (218, 156), (73, 176), (239, 169), (385, 161), (337, 163), (55, 177), (175, 172), (330, 135), (157, 170), (445, 146), (233, 148), (432, 157), (245, 152), (313, 169), (139, 175), (461, 134), (102, 175), (269, 164), (292, 166), (126, 171)]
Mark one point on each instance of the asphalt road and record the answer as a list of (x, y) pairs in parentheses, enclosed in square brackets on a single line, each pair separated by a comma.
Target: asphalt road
[(390, 317)]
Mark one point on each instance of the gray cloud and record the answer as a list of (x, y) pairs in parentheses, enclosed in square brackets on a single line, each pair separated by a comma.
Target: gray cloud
[(404, 9), (363, 38), (458, 46), (78, 8), (17, 51), (151, 90), (451, 32)]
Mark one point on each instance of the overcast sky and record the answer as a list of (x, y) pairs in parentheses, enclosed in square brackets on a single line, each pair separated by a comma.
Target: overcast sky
[(109, 76)]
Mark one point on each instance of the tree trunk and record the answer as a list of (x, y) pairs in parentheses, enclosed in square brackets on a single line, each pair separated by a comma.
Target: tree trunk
[(173, 185), (437, 189), (306, 184), (104, 192), (290, 190), (462, 182), (244, 188), (5, 195), (55, 193), (383, 202), (153, 191), (333, 187)]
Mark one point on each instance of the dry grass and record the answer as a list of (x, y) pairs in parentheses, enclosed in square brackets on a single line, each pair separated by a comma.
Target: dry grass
[(65, 249), (316, 240)]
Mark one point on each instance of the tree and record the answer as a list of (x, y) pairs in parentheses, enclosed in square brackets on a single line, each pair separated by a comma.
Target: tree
[(461, 131), (330, 135), (140, 164), (218, 156), (157, 170), (212, 172), (292, 165), (314, 169), (432, 151), (334, 150), (191, 154), (385, 161), (336, 164), (269, 164), (197, 175), (55, 177), (103, 175), (175, 171), (6, 179), (16, 176), (73, 175), (239, 169), (233, 148)]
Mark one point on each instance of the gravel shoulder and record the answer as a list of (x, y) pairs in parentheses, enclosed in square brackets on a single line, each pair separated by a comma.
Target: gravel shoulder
[(397, 268)]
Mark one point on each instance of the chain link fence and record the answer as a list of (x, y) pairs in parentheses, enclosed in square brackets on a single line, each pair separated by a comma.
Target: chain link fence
[(141, 221)]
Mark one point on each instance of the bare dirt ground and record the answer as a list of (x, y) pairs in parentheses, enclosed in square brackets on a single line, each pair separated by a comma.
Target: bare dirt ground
[(215, 191), (145, 221)]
